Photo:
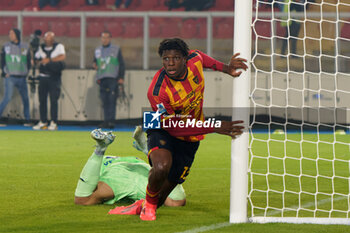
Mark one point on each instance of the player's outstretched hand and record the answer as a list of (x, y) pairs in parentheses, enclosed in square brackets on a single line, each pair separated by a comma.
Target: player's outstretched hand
[(235, 64), (230, 128)]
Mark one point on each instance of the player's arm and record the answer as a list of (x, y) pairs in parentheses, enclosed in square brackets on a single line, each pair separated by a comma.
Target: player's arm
[(230, 128), (102, 193), (230, 68)]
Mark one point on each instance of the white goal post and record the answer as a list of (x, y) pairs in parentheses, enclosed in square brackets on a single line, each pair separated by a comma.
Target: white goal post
[(292, 165), (241, 89)]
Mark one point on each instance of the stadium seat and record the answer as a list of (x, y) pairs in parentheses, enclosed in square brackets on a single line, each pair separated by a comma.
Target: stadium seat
[(262, 28), (23, 2), (134, 5), (19, 5), (148, 5), (76, 3), (27, 28), (345, 31), (110, 5), (116, 28), (74, 29), (94, 19), (100, 7), (6, 23), (223, 5), (35, 3), (280, 30), (59, 28), (5, 5), (155, 27), (64, 2), (202, 28), (161, 6), (110, 2), (35, 6), (28, 24), (92, 8), (223, 29), (94, 29), (189, 29), (170, 27), (133, 28), (42, 25), (73, 5)]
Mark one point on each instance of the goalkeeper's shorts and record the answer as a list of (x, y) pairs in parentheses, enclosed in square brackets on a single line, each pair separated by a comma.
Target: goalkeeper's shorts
[(182, 152)]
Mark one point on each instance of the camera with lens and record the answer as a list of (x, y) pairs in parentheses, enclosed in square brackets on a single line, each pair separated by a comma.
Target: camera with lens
[(34, 45), (35, 40)]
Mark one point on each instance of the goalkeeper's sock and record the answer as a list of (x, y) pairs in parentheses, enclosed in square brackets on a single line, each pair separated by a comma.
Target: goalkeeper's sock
[(151, 196), (90, 175)]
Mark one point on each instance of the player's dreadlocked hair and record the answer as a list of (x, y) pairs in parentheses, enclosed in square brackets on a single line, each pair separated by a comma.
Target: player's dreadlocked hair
[(173, 44)]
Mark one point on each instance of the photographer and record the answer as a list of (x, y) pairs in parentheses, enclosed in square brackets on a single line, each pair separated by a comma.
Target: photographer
[(50, 57), (15, 65)]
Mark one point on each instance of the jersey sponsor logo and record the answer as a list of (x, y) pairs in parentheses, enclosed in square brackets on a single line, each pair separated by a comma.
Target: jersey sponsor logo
[(190, 95), (196, 79), (193, 105)]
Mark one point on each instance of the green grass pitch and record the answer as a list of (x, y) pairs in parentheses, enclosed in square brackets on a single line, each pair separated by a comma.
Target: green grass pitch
[(39, 172)]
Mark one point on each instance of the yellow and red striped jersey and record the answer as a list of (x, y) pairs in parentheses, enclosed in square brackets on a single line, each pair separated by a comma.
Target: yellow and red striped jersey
[(183, 97)]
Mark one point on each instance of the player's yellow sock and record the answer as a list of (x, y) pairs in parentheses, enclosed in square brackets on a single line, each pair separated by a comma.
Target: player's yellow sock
[(89, 176)]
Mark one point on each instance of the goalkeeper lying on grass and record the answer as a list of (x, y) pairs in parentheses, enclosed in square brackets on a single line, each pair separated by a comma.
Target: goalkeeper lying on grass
[(109, 179)]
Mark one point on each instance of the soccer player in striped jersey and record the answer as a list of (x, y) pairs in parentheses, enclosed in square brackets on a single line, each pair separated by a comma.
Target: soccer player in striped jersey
[(177, 91)]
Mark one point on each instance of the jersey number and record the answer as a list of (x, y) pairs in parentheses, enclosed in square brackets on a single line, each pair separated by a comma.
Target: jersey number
[(185, 173)]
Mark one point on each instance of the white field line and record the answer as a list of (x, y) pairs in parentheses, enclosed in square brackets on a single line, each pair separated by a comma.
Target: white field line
[(225, 224), (207, 228)]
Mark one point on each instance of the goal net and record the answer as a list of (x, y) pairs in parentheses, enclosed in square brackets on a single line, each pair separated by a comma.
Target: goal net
[(299, 164)]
